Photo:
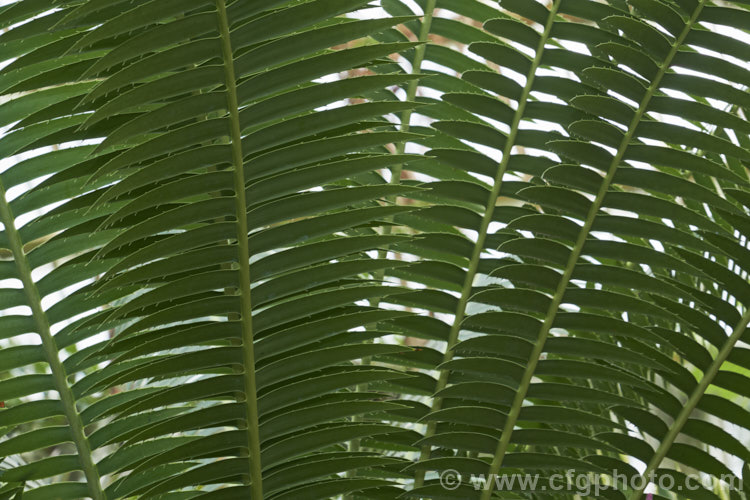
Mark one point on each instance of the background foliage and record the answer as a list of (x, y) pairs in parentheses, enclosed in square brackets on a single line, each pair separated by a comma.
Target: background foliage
[(322, 248)]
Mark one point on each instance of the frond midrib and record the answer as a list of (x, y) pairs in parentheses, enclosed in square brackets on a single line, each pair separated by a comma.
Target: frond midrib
[(577, 251), (49, 347), (482, 233), (248, 351), (405, 126), (413, 86)]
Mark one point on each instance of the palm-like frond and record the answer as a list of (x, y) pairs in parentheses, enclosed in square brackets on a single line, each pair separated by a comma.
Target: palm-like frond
[(569, 261), (190, 234), (199, 236)]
